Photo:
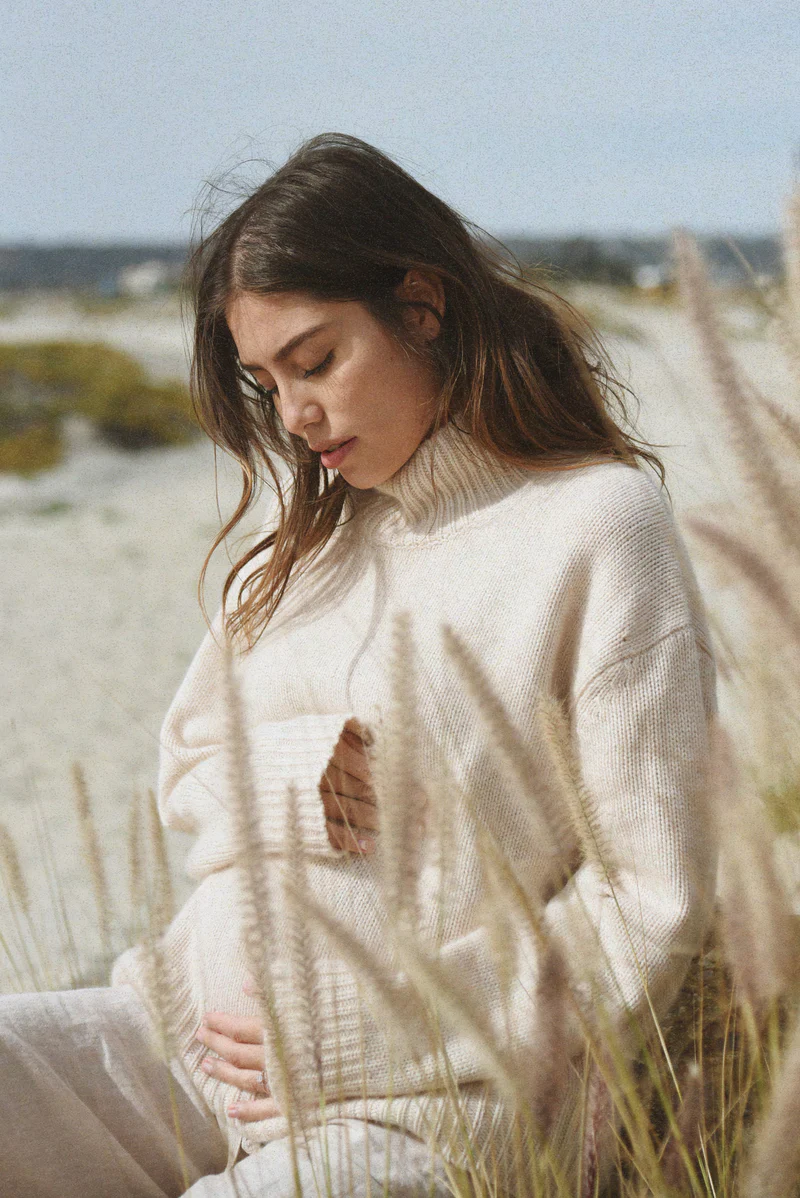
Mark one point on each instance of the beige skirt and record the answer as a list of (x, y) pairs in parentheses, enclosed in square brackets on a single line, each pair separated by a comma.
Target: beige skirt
[(88, 1110)]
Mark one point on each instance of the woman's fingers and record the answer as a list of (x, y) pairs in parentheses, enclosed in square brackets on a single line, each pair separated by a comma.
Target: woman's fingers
[(352, 823), (246, 1029), (342, 837), (359, 813), (348, 772), (347, 792), (239, 1042), (239, 1039), (361, 731), (252, 1111), (245, 1079)]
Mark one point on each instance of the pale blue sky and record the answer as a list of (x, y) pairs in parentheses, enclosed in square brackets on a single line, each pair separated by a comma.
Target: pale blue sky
[(619, 117)]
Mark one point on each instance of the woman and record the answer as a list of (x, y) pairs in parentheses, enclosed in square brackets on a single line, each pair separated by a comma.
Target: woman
[(453, 455)]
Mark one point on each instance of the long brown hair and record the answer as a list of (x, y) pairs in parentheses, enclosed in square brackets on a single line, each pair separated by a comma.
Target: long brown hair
[(521, 369)]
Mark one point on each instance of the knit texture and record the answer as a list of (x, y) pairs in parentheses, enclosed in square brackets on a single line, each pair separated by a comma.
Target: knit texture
[(574, 584)]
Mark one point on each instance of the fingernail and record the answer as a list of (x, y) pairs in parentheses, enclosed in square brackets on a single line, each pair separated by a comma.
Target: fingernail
[(233, 1111), (206, 1066), (364, 844)]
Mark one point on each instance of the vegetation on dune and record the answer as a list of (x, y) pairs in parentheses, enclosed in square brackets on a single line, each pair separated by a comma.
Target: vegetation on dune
[(34, 446), (42, 382)]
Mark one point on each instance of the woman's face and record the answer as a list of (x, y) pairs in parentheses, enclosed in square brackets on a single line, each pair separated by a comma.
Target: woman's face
[(336, 373)]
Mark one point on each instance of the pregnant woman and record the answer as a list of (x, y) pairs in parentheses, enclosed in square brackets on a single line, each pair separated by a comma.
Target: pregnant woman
[(456, 473)]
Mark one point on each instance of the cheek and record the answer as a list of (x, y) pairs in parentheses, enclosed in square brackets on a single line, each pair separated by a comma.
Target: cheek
[(388, 378), (369, 380)]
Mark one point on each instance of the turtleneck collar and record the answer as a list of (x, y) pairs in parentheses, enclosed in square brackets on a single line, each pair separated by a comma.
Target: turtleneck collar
[(447, 479)]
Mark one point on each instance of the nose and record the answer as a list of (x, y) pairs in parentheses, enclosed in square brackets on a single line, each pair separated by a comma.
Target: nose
[(298, 414)]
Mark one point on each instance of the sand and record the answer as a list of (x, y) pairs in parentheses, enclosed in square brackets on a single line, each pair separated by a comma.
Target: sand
[(100, 559)]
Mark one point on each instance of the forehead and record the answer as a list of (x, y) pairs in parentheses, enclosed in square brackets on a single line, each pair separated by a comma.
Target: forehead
[(261, 324)]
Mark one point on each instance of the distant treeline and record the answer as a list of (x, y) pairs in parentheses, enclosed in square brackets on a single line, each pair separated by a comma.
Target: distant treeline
[(599, 259), (93, 267), (629, 259)]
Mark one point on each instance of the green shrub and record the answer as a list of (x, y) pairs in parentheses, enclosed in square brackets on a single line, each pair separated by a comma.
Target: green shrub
[(135, 415), (37, 447), (43, 381)]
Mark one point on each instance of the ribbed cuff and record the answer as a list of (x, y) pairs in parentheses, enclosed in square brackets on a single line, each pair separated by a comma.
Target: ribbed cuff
[(298, 751)]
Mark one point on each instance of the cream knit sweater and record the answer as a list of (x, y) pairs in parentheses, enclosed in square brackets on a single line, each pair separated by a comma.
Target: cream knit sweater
[(573, 583)]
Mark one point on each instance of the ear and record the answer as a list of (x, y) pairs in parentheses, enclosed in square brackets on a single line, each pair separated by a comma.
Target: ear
[(422, 287)]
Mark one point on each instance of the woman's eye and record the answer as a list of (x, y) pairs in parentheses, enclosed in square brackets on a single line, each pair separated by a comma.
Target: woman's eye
[(270, 393), (316, 369)]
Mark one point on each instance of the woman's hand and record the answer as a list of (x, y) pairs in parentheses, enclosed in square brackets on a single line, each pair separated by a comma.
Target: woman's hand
[(347, 793), (239, 1043)]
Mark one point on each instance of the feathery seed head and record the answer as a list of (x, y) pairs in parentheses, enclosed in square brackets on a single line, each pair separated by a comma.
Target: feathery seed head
[(15, 878)]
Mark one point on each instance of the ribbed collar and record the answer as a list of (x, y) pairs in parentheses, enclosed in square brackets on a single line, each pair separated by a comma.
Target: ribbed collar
[(449, 478)]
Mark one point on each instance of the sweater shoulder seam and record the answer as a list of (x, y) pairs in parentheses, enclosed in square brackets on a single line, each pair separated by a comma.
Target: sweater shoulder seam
[(700, 642)]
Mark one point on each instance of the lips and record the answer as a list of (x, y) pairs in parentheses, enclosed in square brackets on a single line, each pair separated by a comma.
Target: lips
[(331, 458)]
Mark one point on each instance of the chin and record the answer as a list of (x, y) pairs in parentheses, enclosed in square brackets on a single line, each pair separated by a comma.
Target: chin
[(362, 477), (363, 482), (360, 483)]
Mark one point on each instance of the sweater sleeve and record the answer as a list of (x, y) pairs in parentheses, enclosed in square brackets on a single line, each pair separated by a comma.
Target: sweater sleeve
[(193, 785), (644, 700), (643, 739)]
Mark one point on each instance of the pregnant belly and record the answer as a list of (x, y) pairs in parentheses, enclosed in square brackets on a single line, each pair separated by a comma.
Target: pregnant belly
[(204, 944)]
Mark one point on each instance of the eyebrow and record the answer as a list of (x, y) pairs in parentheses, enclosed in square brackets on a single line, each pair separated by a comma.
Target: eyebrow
[(290, 345)]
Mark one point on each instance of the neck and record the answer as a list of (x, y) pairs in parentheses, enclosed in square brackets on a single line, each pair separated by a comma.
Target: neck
[(449, 477)]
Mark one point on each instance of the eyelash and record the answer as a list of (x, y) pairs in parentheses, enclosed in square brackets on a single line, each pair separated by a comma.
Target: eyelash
[(273, 391)]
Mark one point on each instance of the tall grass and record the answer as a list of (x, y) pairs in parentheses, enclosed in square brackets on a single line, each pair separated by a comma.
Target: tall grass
[(709, 1103)]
